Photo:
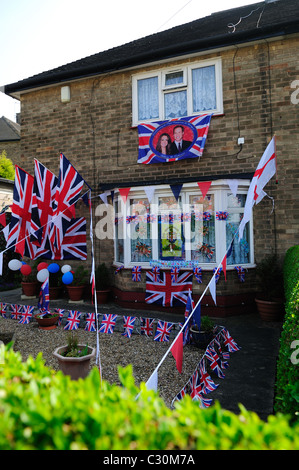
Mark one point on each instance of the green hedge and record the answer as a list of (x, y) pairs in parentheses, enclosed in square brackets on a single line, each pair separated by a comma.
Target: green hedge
[(44, 410), (287, 382)]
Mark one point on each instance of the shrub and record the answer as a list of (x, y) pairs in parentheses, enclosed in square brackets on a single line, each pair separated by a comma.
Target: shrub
[(45, 410), (286, 394)]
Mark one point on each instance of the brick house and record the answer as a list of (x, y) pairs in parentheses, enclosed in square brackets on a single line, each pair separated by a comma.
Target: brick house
[(240, 64)]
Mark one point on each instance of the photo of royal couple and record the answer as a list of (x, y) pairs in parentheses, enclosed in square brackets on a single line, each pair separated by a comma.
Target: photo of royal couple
[(175, 144)]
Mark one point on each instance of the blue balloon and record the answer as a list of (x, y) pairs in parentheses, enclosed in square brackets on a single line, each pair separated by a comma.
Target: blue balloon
[(67, 278), (53, 268)]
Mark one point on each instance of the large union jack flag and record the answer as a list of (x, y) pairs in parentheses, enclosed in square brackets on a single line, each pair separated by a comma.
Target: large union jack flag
[(195, 135), (168, 292), (67, 193), (19, 227), (44, 189)]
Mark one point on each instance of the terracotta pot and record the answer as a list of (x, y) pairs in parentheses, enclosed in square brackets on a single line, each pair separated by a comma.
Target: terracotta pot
[(30, 288), (270, 310), (102, 296), (47, 323), (201, 338), (75, 292), (55, 292), (75, 367)]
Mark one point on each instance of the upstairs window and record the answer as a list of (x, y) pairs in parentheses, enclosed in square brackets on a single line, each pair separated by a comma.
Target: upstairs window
[(174, 93)]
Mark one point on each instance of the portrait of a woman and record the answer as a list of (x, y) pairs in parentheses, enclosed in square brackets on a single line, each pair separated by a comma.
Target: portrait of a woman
[(164, 144)]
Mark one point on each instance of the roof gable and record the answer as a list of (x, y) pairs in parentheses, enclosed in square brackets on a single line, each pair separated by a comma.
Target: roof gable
[(9, 130)]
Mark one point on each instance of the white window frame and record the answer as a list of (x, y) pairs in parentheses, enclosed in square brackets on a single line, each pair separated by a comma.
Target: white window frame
[(187, 84), (218, 188)]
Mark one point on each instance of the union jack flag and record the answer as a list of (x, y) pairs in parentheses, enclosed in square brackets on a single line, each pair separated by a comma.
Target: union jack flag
[(208, 385), (16, 311), (19, 227), (44, 189), (196, 126), (26, 314), (229, 341), (156, 273), (146, 326), (3, 307), (108, 323), (214, 362), (174, 274), (67, 193), (189, 307), (60, 312), (203, 402), (195, 384), (217, 272), (136, 273), (241, 273), (90, 324), (73, 320), (223, 355), (198, 274), (44, 298), (128, 326), (73, 244), (167, 292), (180, 395), (163, 331)]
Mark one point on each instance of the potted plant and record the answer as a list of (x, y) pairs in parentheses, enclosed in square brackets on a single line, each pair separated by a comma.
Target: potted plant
[(47, 320), (102, 279), (269, 300), (76, 288), (29, 282), (73, 358), (203, 336)]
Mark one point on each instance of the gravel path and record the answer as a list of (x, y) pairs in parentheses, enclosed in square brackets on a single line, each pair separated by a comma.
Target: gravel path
[(115, 350)]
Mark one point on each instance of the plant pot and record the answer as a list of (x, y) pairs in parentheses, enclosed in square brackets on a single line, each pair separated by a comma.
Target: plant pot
[(201, 338), (47, 323), (30, 288), (102, 296), (75, 292), (75, 367), (270, 310), (55, 293)]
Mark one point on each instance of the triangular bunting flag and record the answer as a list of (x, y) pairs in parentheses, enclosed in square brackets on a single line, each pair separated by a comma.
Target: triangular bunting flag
[(152, 383), (212, 287), (124, 192), (149, 191), (233, 185), (177, 352), (204, 186), (104, 197), (176, 189)]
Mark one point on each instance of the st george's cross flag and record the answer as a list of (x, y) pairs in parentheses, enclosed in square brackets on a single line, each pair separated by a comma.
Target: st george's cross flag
[(263, 173), (167, 292), (183, 138)]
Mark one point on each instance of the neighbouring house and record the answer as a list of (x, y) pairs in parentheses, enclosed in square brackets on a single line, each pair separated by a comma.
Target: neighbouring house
[(10, 139), (241, 65)]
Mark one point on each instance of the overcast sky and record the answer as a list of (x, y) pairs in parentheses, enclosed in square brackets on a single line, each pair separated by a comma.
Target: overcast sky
[(38, 35)]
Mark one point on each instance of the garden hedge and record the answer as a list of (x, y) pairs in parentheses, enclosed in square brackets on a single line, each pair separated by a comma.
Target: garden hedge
[(44, 410), (287, 381)]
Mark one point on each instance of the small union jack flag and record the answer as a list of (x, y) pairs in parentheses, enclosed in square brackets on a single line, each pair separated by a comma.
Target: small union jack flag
[(241, 273), (195, 384), (217, 272), (214, 362), (26, 314), (146, 325), (156, 274), (73, 320), (174, 274), (163, 331), (223, 355), (136, 273), (16, 311), (198, 274), (108, 323), (60, 311), (208, 385), (128, 326), (203, 402), (90, 324), (3, 307), (229, 341)]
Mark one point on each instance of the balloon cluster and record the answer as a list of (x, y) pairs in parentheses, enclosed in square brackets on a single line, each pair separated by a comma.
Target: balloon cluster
[(43, 270)]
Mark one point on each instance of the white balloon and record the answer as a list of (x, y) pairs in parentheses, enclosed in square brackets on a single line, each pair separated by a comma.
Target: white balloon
[(14, 264), (66, 268), (42, 275)]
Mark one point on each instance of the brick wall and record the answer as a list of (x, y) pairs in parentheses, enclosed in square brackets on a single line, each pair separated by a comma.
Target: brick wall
[(94, 131)]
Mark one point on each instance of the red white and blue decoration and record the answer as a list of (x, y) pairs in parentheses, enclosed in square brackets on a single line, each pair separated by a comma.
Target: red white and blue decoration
[(136, 273), (163, 331), (128, 326), (167, 291), (73, 320), (183, 138)]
